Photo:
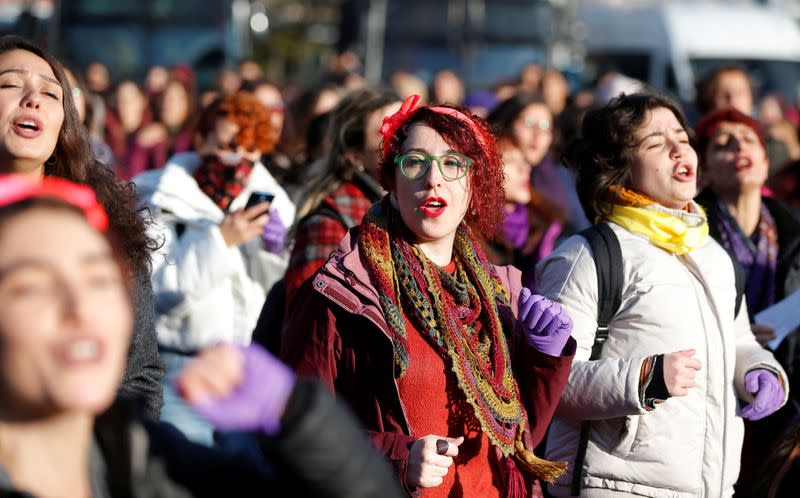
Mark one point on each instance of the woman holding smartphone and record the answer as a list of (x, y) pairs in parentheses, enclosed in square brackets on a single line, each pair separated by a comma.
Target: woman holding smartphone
[(219, 257)]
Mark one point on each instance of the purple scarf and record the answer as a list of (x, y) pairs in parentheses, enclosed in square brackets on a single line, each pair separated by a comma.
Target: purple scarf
[(516, 226), (758, 255)]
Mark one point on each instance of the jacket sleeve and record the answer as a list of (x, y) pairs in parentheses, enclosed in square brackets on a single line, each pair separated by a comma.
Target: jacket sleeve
[(312, 346), (144, 369), (544, 379), (189, 266), (321, 444), (598, 389), (750, 355)]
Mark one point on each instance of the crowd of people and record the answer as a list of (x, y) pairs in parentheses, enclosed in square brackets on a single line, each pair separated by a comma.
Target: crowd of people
[(358, 291)]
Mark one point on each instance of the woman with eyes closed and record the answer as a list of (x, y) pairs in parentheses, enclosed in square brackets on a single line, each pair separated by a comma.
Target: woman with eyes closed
[(656, 412), (41, 135), (764, 236), (451, 366)]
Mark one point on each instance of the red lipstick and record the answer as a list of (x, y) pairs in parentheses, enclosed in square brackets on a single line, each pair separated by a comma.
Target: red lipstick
[(743, 163), (433, 207)]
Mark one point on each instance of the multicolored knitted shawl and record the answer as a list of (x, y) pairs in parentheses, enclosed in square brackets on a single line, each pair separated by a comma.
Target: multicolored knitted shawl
[(459, 315)]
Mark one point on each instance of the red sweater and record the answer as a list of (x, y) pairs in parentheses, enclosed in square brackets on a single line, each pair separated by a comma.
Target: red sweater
[(435, 405)]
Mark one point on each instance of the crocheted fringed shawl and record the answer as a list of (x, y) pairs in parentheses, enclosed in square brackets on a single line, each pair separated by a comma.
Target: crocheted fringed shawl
[(460, 317)]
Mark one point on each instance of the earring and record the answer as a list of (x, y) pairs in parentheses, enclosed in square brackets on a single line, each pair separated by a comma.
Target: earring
[(51, 161)]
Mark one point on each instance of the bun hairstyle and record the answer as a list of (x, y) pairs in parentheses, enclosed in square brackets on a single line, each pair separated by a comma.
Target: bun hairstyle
[(603, 152)]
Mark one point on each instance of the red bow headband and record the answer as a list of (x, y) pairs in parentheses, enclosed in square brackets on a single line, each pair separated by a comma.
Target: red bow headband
[(17, 188), (393, 122)]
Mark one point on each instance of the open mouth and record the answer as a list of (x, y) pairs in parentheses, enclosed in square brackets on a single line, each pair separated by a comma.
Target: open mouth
[(433, 207), (82, 351), (743, 163), (27, 126), (684, 172)]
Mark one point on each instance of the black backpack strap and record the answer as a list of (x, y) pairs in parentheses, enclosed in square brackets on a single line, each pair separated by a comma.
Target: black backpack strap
[(607, 256), (608, 263)]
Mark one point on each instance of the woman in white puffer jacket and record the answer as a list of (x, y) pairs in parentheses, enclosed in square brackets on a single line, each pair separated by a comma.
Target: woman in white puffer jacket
[(218, 259), (665, 398)]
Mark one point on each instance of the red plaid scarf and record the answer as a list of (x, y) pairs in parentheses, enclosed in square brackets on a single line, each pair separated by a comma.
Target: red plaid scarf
[(222, 182)]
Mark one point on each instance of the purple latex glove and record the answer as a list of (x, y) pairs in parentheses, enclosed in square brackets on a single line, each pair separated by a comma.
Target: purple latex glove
[(765, 386), (545, 323), (274, 234), (257, 403)]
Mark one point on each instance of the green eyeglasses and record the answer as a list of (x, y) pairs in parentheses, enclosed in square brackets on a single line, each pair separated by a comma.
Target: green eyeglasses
[(415, 164)]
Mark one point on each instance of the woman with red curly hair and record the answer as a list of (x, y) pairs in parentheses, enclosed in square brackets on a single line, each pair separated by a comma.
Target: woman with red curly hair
[(220, 255), (452, 367)]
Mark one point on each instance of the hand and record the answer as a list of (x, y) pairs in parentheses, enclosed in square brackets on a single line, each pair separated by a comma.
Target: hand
[(679, 371), (274, 234), (244, 225), (152, 134), (238, 388), (763, 334), (545, 323), (427, 468), (766, 388)]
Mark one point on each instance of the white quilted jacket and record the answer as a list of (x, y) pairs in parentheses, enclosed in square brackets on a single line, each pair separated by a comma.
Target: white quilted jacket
[(688, 446)]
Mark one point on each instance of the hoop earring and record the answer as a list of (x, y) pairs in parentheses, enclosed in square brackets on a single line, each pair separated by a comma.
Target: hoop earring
[(51, 161)]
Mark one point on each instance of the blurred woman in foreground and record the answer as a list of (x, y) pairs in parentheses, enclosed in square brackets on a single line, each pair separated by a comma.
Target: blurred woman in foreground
[(65, 324)]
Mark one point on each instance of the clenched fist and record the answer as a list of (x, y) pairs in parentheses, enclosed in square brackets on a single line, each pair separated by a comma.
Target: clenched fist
[(426, 466), (679, 371)]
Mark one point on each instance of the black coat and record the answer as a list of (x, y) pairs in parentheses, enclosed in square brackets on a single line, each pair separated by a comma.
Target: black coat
[(787, 275), (320, 452)]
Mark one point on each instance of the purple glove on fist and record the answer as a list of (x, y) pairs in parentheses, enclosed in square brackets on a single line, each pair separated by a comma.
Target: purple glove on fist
[(257, 403), (274, 234), (766, 388), (546, 325)]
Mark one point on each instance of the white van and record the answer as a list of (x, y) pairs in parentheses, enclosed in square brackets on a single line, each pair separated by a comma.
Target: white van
[(672, 46)]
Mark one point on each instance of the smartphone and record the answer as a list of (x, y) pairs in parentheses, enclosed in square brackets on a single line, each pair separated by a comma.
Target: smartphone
[(257, 198)]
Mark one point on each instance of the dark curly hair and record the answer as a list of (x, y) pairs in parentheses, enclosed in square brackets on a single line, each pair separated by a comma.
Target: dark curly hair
[(485, 212), (256, 131), (603, 153), (72, 160)]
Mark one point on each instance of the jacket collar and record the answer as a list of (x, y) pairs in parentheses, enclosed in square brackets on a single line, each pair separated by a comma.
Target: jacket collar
[(345, 280)]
